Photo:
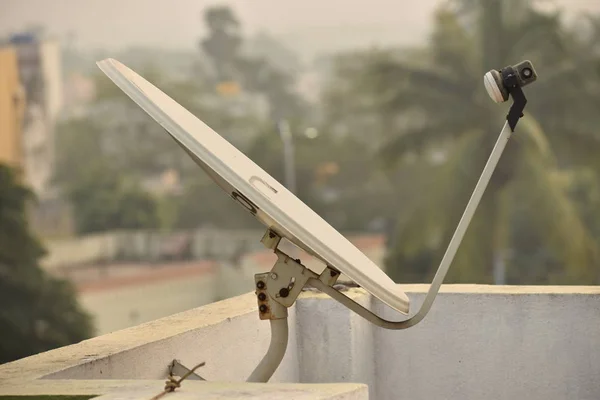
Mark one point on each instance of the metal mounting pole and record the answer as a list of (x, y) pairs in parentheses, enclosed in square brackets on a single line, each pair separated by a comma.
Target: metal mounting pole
[(276, 291), (288, 155), (461, 229), (268, 365), (513, 116)]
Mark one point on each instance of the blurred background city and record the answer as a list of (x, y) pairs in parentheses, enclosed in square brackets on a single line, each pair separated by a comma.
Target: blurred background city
[(372, 112)]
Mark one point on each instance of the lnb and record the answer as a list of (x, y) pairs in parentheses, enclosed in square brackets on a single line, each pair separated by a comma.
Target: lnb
[(498, 83)]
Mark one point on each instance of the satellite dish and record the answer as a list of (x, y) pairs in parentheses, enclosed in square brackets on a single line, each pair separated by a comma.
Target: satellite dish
[(254, 189), (285, 216)]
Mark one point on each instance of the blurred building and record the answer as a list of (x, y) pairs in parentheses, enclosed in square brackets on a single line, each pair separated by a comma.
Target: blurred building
[(126, 278), (39, 66), (309, 85), (124, 295), (79, 91), (11, 109)]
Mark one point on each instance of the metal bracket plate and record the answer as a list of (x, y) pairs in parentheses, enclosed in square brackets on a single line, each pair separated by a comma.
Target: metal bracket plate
[(268, 308), (329, 276), (270, 239), (278, 289), (286, 279)]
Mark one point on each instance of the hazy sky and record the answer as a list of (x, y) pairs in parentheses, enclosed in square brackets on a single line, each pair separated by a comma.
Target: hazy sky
[(177, 23)]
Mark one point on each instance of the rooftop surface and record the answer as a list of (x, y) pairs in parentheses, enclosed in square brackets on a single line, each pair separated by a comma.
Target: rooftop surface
[(477, 342)]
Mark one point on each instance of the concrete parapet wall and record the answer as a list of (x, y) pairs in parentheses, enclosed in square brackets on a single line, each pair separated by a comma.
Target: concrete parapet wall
[(477, 342)]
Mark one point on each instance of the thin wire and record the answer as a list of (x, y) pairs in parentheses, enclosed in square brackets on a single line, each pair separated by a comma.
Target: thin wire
[(171, 384)]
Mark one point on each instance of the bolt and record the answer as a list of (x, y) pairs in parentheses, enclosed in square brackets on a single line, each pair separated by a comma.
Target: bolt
[(284, 292), (262, 296), (260, 284), (274, 276), (271, 234), (263, 309)]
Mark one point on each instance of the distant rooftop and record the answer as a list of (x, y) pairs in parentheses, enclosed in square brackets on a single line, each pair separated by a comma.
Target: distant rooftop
[(22, 38), (97, 278)]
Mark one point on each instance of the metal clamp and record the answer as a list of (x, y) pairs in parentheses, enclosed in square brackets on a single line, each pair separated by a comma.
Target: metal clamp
[(278, 289)]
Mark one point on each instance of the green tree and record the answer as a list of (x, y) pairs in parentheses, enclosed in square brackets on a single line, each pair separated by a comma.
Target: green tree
[(223, 42), (265, 45), (106, 199), (103, 158), (224, 45), (102, 187), (433, 102), (532, 260), (334, 176), (127, 135), (38, 312), (204, 204)]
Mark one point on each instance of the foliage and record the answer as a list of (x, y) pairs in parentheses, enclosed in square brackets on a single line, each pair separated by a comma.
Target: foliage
[(535, 262), (104, 158), (224, 41), (431, 104), (420, 113), (335, 177), (38, 312), (204, 204), (104, 193), (224, 47), (105, 200)]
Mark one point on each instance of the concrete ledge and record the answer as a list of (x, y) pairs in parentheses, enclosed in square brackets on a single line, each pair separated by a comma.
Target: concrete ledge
[(146, 389), (218, 391), (503, 289), (89, 354)]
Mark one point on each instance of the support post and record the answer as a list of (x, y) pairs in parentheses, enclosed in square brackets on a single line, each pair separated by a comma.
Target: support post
[(276, 291), (270, 362)]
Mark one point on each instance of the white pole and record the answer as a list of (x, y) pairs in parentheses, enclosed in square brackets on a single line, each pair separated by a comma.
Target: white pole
[(459, 233), (464, 222), (268, 365), (288, 155)]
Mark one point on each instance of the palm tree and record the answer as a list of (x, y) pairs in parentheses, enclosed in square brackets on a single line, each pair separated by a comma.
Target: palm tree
[(435, 104)]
